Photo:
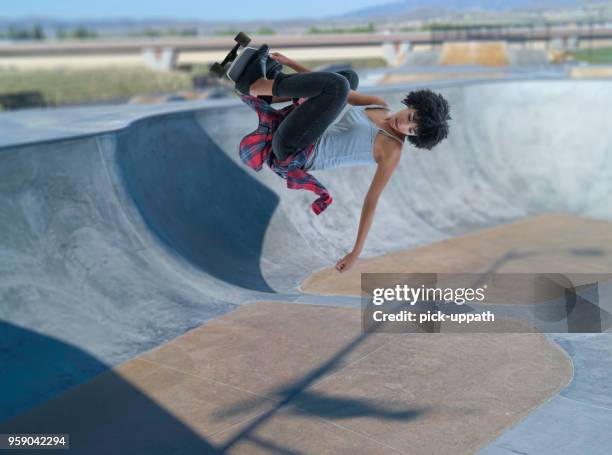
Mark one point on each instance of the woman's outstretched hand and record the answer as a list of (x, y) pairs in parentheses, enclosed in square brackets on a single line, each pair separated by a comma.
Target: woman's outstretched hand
[(280, 58), (347, 262)]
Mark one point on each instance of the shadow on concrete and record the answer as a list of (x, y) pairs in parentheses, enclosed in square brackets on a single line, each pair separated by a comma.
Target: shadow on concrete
[(116, 419), (199, 202), (296, 397), (35, 368), (330, 407), (510, 256), (38, 369), (110, 415)]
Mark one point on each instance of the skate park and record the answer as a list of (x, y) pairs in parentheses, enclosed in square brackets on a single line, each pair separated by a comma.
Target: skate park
[(160, 297)]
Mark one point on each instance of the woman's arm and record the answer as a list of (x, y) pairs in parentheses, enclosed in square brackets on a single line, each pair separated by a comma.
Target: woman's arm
[(295, 66), (360, 99), (384, 170)]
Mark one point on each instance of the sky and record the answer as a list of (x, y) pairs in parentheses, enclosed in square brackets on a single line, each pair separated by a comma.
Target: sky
[(182, 9)]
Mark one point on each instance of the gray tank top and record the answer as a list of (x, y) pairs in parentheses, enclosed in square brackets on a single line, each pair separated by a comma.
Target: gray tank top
[(347, 142)]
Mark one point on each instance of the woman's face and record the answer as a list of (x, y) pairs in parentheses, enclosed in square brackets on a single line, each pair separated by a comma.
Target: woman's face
[(404, 121)]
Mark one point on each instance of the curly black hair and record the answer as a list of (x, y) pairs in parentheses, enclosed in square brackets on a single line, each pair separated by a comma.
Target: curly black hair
[(432, 113)]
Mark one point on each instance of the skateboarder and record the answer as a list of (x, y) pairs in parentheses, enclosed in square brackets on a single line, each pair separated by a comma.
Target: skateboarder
[(305, 132)]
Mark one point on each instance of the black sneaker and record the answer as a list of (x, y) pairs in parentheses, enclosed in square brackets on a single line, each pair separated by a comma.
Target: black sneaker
[(255, 69)]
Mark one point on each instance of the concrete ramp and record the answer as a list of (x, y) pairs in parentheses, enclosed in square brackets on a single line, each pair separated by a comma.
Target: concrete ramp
[(527, 56), (196, 200), (485, 53), (122, 233)]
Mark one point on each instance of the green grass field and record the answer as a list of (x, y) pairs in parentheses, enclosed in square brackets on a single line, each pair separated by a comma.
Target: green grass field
[(599, 55), (73, 86), (69, 86)]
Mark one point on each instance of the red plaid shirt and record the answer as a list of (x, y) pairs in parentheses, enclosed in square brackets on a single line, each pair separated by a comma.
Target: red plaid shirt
[(256, 149)]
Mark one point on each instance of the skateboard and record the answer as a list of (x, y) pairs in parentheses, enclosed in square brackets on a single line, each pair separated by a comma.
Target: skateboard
[(239, 58), (236, 58)]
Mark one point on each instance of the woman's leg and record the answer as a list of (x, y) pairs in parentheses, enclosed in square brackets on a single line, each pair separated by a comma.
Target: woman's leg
[(326, 92), (352, 77)]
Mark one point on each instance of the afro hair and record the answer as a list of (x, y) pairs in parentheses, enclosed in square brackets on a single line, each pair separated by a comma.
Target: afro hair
[(432, 114)]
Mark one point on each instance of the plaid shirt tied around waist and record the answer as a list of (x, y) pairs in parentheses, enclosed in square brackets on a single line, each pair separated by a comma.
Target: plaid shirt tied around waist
[(256, 149)]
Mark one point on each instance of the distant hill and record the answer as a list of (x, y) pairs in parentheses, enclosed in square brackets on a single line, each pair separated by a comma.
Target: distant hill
[(431, 7), (418, 10)]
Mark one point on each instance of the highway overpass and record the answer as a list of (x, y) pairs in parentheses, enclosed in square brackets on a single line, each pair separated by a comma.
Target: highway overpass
[(165, 53)]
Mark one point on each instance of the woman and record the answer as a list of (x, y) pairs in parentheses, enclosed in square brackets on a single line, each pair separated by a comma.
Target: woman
[(368, 133)]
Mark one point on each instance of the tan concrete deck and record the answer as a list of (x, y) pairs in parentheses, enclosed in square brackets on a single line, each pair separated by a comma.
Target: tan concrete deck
[(391, 79), (591, 72), (556, 243), (302, 379)]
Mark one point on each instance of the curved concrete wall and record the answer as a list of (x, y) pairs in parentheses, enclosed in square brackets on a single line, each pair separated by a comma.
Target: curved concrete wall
[(116, 241)]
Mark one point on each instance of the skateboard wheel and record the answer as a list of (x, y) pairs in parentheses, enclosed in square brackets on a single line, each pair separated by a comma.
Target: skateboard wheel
[(242, 39), (217, 70)]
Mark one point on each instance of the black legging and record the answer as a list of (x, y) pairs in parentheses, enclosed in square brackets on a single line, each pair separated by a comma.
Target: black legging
[(326, 92)]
